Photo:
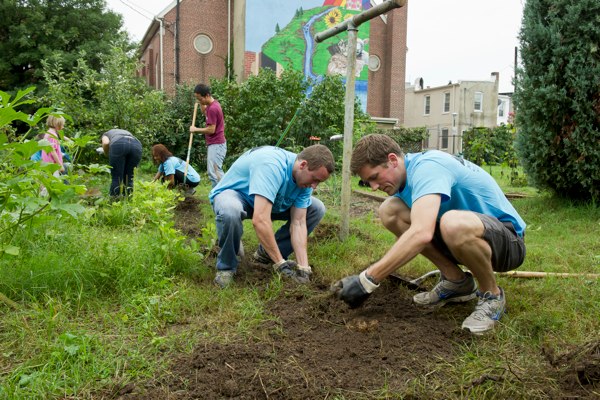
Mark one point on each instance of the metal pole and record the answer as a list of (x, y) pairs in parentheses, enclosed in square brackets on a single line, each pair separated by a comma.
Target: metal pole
[(348, 130), (351, 25)]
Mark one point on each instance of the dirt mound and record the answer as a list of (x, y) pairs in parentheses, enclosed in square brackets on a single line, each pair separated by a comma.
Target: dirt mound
[(318, 348)]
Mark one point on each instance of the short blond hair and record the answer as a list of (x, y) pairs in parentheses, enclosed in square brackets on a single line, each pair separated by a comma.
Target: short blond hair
[(55, 122)]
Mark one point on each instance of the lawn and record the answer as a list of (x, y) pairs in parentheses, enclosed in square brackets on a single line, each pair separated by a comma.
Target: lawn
[(120, 304)]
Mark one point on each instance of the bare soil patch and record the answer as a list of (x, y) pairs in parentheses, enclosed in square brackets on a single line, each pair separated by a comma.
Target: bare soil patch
[(318, 348)]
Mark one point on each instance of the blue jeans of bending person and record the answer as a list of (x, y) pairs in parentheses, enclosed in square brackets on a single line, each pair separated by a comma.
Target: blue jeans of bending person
[(123, 156), (231, 209), (215, 155)]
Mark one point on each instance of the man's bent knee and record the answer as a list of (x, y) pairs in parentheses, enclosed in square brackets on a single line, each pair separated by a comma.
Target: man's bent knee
[(394, 214)]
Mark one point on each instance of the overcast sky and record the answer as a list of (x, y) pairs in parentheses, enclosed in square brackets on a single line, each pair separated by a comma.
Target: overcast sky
[(447, 40)]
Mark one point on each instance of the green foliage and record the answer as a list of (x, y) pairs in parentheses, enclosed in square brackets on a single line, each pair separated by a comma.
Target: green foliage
[(409, 139), (558, 97), (490, 145), (21, 179), (113, 97), (63, 31), (258, 111)]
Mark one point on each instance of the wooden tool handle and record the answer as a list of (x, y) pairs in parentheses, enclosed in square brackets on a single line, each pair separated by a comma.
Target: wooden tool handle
[(195, 113), (536, 274)]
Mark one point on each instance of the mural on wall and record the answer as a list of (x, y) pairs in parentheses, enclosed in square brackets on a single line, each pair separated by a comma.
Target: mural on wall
[(280, 35)]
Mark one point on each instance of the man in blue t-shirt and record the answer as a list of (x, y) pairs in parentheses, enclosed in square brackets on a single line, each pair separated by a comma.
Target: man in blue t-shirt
[(266, 184), (449, 210)]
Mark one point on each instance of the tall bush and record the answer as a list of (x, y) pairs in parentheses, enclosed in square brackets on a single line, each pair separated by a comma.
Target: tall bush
[(490, 145), (258, 111), (558, 96)]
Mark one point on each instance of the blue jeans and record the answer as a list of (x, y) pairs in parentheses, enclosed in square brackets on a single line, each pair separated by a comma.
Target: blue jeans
[(231, 209), (123, 156), (215, 154)]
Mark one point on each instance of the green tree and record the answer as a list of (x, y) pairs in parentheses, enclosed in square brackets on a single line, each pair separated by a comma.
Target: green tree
[(61, 30), (558, 96)]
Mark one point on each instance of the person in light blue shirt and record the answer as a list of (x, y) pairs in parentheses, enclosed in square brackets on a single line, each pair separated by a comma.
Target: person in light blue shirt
[(173, 169), (266, 184), (449, 210)]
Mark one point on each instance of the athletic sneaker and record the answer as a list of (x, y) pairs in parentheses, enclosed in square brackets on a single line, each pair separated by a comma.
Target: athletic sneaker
[(224, 278), (261, 257), (448, 292), (488, 311)]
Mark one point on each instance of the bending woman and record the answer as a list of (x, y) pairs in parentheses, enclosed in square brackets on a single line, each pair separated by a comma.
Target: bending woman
[(172, 169), (124, 153)]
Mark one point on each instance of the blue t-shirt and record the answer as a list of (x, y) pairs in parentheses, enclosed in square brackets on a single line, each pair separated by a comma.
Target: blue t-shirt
[(173, 163), (461, 184), (266, 171)]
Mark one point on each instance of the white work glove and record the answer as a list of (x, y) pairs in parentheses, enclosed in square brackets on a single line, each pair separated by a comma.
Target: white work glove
[(100, 150)]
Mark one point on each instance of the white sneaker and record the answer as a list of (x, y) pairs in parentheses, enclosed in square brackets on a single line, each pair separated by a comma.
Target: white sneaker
[(488, 311)]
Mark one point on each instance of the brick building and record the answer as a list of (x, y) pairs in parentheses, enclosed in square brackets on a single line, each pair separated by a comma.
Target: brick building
[(199, 50)]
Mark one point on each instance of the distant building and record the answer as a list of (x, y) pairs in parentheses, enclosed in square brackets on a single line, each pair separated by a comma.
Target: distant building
[(448, 111), (505, 108), (192, 41)]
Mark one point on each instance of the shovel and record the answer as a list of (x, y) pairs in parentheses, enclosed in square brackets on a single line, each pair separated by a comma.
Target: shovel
[(413, 284)]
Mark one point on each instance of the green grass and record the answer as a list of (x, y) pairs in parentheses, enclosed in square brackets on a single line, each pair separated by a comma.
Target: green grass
[(110, 297)]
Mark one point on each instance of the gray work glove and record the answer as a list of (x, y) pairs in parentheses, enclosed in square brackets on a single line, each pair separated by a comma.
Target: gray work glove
[(355, 289), (286, 268), (303, 274)]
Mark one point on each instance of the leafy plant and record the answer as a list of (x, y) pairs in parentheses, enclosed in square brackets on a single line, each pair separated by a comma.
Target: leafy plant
[(21, 178)]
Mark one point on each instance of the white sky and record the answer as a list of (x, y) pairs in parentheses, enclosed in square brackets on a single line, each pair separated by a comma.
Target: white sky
[(447, 40)]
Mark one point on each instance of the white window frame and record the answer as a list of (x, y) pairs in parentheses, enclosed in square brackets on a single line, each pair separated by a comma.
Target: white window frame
[(446, 105), (480, 102), (427, 105)]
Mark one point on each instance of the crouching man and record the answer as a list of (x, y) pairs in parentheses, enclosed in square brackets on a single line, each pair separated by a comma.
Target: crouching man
[(449, 210), (266, 184)]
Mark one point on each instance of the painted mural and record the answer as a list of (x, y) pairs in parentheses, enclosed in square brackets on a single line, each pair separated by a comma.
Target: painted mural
[(280, 35)]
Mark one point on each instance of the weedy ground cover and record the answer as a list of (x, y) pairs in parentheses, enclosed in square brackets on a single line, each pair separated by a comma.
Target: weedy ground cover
[(111, 298)]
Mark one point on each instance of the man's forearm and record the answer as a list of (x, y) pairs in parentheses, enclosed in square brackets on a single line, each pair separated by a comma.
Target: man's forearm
[(299, 238), (264, 231)]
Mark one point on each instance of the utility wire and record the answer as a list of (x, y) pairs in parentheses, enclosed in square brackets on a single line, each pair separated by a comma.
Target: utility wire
[(137, 9)]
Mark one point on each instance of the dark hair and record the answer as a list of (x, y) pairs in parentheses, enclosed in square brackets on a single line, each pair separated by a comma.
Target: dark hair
[(373, 150), (161, 151), (202, 89), (318, 156)]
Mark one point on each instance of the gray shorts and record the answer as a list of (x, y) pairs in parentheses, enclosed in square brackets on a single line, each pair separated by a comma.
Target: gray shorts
[(508, 248)]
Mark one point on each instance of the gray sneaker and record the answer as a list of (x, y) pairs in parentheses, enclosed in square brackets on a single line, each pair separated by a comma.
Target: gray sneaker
[(261, 257), (448, 292), (488, 311), (224, 278)]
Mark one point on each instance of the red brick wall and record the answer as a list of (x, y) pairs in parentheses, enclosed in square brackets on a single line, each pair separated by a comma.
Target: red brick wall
[(196, 17), (386, 86)]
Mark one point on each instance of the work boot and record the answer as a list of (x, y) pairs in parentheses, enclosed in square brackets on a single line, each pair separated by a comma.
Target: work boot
[(488, 311), (260, 256), (224, 278), (448, 292)]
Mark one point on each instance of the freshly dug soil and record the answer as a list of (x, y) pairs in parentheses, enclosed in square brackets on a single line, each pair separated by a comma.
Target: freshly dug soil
[(320, 349)]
